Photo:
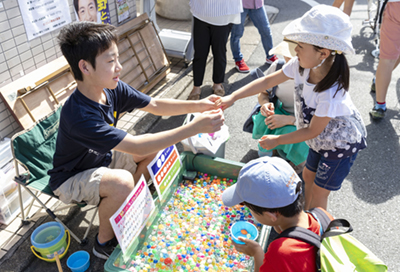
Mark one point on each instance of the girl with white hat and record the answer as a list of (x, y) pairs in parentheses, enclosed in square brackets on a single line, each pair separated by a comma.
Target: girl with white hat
[(325, 115)]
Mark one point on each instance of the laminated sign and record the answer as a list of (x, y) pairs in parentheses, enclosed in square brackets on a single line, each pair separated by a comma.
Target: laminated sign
[(164, 168)]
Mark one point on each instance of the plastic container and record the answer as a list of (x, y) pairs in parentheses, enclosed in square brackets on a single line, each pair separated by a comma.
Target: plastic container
[(49, 238), (9, 206), (7, 183), (79, 261), (243, 229), (5, 152), (207, 146)]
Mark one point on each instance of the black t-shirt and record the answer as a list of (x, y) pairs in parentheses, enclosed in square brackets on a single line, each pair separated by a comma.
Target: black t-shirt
[(88, 132)]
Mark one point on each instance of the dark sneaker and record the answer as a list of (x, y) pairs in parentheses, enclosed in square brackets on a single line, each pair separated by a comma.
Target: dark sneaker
[(271, 59), (373, 85), (377, 113), (103, 252), (242, 67)]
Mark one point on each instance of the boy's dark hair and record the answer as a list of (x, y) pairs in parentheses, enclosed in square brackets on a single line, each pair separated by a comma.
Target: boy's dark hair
[(288, 211), (85, 40), (339, 73)]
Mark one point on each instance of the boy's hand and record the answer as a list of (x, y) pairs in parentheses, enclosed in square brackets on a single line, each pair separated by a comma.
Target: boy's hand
[(268, 141), (251, 248), (212, 102), (267, 109), (226, 102), (208, 122)]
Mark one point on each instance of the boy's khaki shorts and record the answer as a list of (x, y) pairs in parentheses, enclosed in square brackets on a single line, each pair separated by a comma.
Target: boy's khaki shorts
[(85, 186)]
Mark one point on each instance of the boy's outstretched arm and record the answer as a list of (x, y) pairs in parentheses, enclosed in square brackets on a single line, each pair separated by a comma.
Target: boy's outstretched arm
[(207, 122), (253, 249), (172, 107), (254, 87)]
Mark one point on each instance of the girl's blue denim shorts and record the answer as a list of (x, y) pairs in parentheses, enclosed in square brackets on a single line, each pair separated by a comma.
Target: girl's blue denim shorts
[(330, 173)]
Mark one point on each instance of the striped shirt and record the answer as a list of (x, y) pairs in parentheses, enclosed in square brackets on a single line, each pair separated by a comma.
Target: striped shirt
[(253, 4), (215, 8)]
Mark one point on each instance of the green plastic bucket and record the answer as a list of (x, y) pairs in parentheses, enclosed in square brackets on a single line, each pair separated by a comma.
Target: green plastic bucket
[(49, 238)]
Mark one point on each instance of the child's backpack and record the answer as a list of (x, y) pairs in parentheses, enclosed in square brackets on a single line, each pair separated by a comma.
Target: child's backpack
[(337, 249)]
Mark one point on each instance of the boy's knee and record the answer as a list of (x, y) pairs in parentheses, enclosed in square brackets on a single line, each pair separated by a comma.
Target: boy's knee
[(121, 182), (125, 178)]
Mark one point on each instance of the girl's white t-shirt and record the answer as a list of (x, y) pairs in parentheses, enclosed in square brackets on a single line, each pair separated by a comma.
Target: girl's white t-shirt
[(345, 133)]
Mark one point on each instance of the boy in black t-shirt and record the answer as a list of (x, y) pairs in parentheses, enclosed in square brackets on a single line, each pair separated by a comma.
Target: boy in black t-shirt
[(85, 169)]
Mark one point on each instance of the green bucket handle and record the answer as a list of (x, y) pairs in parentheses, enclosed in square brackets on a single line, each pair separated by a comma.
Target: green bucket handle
[(54, 259)]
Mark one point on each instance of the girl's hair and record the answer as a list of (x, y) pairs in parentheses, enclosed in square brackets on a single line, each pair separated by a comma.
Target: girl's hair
[(339, 74), (288, 211)]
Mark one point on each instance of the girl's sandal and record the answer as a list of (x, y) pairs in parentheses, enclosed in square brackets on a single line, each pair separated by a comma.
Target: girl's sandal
[(219, 90), (194, 95)]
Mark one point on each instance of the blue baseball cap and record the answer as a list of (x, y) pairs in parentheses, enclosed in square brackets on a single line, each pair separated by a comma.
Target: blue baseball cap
[(267, 182)]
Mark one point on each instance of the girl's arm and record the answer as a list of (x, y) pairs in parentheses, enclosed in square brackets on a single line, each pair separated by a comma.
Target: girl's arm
[(254, 87), (317, 125), (173, 107)]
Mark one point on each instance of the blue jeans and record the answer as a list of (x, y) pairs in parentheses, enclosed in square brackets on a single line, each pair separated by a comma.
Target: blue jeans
[(260, 21), (330, 173)]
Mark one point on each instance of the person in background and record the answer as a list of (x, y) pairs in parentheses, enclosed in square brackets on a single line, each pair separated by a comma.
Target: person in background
[(255, 10), (348, 5), (279, 119), (212, 23), (389, 56)]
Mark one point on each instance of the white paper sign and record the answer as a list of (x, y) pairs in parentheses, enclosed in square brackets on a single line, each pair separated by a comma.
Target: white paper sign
[(133, 214), (164, 168), (122, 10), (43, 16)]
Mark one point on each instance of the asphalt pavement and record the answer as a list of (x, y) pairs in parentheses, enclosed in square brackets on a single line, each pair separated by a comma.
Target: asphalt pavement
[(370, 195)]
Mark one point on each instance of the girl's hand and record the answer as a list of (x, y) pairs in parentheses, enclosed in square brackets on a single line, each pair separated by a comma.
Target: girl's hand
[(212, 102), (268, 141), (226, 102), (279, 120), (267, 109), (250, 248)]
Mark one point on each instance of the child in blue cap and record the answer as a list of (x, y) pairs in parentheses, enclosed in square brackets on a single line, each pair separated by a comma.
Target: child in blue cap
[(272, 191)]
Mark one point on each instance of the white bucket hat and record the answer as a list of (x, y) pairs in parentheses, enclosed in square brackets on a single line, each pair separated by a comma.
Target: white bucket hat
[(285, 49), (324, 26)]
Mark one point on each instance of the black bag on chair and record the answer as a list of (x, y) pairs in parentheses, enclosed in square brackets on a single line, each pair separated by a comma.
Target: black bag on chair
[(257, 73)]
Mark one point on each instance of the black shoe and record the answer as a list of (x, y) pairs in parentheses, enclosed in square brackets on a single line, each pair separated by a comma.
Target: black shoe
[(377, 113), (104, 252)]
